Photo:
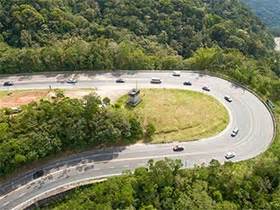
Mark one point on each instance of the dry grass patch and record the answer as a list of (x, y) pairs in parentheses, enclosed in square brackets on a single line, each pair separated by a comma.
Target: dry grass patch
[(180, 115)]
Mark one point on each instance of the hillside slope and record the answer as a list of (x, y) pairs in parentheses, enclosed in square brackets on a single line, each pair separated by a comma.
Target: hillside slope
[(165, 27), (268, 11)]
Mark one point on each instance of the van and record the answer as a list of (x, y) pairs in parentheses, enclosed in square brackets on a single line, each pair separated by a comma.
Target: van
[(176, 73), (155, 80)]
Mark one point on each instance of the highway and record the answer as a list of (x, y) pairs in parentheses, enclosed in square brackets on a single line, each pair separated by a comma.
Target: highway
[(246, 112)]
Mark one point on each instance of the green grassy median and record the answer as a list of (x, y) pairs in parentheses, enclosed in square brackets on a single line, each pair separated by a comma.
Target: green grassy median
[(179, 115)]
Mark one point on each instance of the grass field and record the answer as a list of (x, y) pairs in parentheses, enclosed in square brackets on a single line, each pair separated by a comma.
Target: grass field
[(180, 115)]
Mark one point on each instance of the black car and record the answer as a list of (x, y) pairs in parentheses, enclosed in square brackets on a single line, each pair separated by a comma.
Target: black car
[(178, 148), (229, 99), (8, 83), (205, 88), (188, 83), (38, 174), (120, 80)]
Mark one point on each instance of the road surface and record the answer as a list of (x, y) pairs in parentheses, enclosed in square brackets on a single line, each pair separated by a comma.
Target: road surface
[(246, 112)]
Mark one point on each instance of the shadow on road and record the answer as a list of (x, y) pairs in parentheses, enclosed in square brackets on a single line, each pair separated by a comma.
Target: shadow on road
[(236, 86), (71, 161)]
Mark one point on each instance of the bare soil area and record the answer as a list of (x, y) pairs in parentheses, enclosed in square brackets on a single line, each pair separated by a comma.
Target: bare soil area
[(21, 97)]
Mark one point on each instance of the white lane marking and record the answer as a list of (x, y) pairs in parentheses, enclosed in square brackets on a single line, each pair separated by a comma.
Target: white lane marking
[(91, 179), (20, 195), (6, 203), (44, 177)]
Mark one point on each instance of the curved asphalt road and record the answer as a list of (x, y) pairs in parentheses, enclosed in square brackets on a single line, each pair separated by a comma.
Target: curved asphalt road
[(246, 111)]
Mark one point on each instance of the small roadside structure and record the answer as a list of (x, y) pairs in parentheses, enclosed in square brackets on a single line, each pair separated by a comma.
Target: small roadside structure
[(134, 97)]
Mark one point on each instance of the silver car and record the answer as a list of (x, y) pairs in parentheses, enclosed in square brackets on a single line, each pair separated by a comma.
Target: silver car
[(230, 155), (71, 81)]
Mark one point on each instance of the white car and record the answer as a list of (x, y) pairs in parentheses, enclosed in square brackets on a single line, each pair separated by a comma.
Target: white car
[(234, 132), (176, 73), (71, 81), (230, 155)]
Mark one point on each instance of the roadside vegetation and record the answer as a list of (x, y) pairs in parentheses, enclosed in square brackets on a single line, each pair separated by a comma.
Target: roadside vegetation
[(179, 115), (48, 127)]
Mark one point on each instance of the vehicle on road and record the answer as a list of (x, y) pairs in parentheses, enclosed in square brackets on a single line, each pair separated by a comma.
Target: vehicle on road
[(71, 81), (229, 99), (188, 83), (230, 155), (38, 174), (155, 80), (178, 148), (176, 73), (206, 88), (120, 80), (8, 83), (234, 132)]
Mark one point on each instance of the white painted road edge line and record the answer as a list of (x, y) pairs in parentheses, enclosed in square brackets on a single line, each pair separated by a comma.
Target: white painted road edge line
[(61, 189)]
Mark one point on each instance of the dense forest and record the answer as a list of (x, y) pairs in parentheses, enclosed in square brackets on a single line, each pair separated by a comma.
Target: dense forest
[(222, 37), (55, 35), (48, 127), (163, 186), (268, 11)]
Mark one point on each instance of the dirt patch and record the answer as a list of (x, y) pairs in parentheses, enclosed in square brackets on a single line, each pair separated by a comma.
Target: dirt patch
[(18, 98)]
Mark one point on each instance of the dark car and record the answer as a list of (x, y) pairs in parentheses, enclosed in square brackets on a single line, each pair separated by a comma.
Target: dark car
[(8, 83), (120, 80), (234, 132), (188, 83), (206, 88), (229, 99), (38, 174), (178, 148)]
